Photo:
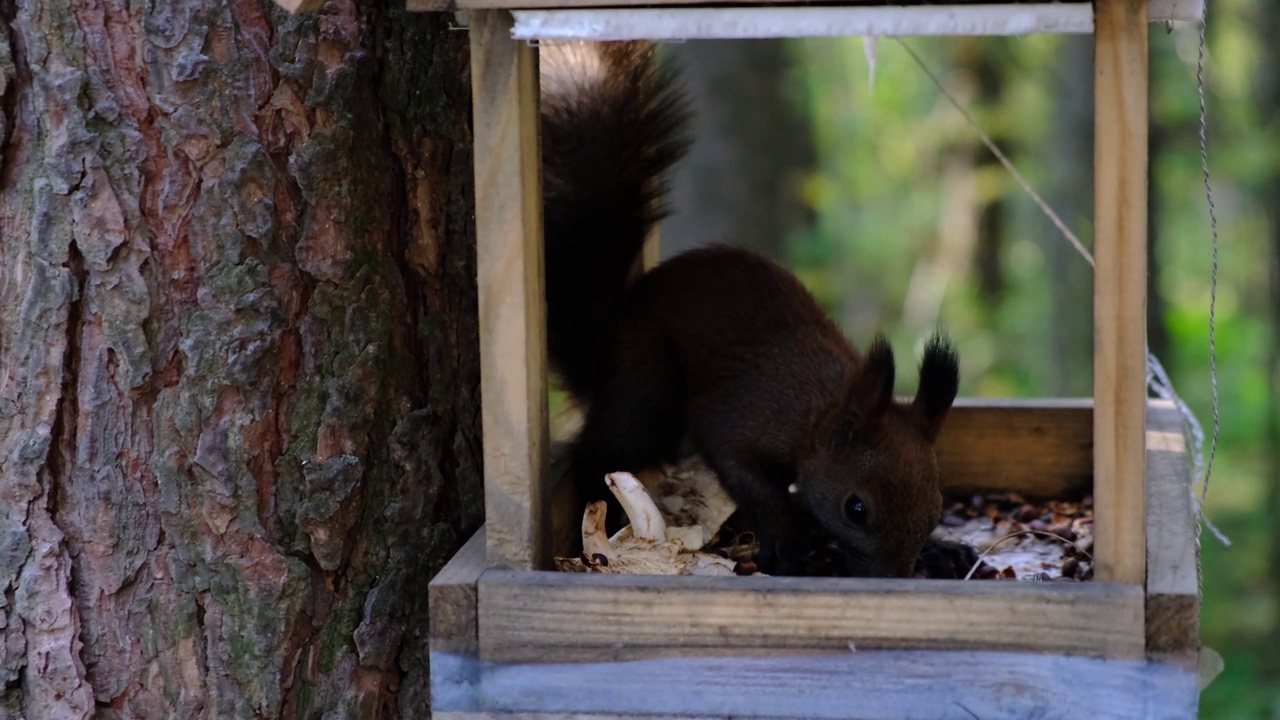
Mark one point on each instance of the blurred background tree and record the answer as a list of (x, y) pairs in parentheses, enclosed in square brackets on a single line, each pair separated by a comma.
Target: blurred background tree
[(875, 190)]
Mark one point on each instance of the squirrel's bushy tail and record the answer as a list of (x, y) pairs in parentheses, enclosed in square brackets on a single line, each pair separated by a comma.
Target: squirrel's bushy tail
[(613, 125)]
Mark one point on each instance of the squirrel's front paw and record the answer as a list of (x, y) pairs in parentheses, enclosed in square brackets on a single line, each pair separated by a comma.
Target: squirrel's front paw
[(945, 559)]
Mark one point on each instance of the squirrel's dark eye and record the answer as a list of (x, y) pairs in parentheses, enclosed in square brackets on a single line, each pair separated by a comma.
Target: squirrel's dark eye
[(855, 510)]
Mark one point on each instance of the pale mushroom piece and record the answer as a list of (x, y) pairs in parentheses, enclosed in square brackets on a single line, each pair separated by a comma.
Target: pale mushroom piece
[(649, 545)]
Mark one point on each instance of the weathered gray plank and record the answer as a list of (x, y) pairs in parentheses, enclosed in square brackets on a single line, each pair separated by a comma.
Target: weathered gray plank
[(870, 685), (1173, 584), (524, 715), (451, 596)]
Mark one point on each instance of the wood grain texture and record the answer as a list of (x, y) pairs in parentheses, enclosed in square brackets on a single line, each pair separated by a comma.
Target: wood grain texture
[(752, 22), (1120, 254), (740, 23), (1160, 10), (526, 715), (1171, 541), (1173, 578), (872, 685), (1173, 626), (546, 616), (452, 599), (513, 349), (1040, 448)]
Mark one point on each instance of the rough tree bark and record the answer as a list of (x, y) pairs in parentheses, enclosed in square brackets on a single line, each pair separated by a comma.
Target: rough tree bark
[(238, 355)]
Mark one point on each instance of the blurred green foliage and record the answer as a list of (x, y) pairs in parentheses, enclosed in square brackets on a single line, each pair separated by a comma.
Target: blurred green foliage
[(898, 233)]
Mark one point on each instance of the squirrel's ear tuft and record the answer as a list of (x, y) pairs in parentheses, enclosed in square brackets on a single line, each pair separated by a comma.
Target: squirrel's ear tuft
[(939, 383), (873, 387)]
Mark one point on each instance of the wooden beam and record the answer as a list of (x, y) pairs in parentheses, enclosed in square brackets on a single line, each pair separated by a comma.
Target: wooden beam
[(1120, 281), (1160, 10), (453, 626), (527, 715), (451, 599), (1175, 10), (744, 22), (1040, 448), (513, 349), (1173, 573), (570, 617), (1017, 15), (861, 685)]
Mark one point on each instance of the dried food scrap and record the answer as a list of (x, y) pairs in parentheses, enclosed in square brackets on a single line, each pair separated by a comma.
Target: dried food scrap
[(648, 546)]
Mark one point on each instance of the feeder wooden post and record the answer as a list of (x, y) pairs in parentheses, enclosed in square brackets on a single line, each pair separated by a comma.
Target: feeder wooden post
[(1120, 338), (513, 357)]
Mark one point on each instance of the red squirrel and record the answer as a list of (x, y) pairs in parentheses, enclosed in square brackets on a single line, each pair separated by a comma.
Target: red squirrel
[(718, 347)]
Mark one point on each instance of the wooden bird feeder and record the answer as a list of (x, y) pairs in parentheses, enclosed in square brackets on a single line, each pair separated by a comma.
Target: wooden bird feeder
[(511, 638)]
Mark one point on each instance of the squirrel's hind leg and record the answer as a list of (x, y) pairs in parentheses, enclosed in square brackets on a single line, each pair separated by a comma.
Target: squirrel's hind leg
[(636, 421)]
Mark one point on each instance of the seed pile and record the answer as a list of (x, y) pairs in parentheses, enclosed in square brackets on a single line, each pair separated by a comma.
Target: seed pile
[(1018, 540), (1023, 540)]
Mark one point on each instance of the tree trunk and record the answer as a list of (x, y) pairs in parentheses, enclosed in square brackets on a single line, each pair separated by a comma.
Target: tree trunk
[(238, 356), (987, 61), (1157, 328), (1070, 347), (741, 182)]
